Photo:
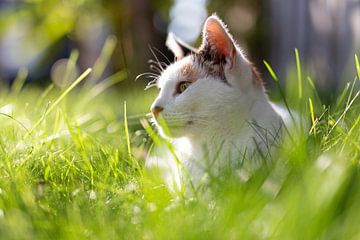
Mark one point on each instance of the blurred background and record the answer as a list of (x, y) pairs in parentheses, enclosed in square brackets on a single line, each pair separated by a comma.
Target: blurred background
[(38, 36)]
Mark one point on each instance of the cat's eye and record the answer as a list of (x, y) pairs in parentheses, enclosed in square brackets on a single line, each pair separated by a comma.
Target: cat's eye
[(182, 86)]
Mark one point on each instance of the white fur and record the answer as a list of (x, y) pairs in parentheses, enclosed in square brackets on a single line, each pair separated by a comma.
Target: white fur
[(211, 121)]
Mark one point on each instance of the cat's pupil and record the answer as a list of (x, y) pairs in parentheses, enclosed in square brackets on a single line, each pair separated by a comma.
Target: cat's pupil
[(183, 86)]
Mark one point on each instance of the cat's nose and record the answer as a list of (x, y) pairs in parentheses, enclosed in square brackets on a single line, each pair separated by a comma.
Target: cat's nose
[(156, 110)]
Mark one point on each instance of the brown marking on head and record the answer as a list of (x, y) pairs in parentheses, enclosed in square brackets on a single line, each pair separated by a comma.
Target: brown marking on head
[(256, 79), (217, 49), (190, 72)]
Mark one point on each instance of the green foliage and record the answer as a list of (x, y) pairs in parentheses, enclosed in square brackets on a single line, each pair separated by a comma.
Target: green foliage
[(72, 167)]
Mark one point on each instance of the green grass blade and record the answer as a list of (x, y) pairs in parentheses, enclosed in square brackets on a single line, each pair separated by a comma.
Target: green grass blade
[(106, 83), (127, 133), (103, 59), (17, 121), (313, 87), (311, 108), (271, 71), (349, 133), (70, 67), (357, 66), (19, 81), (61, 97), (159, 141), (273, 75), (298, 67), (351, 92), (342, 95), (344, 113)]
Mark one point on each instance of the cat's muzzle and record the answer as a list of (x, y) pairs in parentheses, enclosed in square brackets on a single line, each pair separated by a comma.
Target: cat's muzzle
[(156, 110)]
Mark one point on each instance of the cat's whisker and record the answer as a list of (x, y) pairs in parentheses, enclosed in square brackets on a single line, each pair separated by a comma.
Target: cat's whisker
[(156, 68), (147, 75), (156, 49), (156, 58), (151, 84), (203, 114), (154, 78), (185, 119), (163, 64)]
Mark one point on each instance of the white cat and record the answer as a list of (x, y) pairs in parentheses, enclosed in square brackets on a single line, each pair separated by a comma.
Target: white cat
[(212, 106)]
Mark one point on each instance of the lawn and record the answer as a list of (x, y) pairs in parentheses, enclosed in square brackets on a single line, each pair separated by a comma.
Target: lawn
[(72, 166)]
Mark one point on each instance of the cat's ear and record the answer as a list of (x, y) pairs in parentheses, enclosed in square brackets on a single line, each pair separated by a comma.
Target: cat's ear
[(178, 47), (217, 43)]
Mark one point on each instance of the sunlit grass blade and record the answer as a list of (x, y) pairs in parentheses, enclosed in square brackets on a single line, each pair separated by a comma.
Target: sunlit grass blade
[(273, 75), (357, 64), (44, 94), (131, 159), (312, 85), (159, 141), (349, 134), (311, 108), (342, 96), (14, 119), (298, 67), (271, 71), (164, 125), (127, 136), (61, 97), (103, 60), (351, 92), (70, 67), (106, 83), (19, 81), (152, 134), (344, 113)]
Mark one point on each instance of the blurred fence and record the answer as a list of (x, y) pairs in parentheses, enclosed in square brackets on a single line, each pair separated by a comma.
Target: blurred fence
[(326, 32)]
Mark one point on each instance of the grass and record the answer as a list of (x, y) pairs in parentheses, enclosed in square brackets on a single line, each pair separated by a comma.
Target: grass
[(72, 167)]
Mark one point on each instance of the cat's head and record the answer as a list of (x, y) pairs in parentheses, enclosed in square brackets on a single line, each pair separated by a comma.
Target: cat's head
[(209, 89)]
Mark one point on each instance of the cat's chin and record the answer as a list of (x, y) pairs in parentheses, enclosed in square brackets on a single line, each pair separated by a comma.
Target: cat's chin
[(172, 132), (180, 130)]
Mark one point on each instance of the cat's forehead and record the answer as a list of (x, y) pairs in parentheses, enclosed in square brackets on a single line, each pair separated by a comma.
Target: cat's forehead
[(185, 69)]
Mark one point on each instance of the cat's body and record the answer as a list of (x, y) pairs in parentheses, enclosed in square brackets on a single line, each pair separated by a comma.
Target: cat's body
[(213, 106)]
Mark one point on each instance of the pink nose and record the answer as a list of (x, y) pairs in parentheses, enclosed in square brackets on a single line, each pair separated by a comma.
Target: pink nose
[(156, 110)]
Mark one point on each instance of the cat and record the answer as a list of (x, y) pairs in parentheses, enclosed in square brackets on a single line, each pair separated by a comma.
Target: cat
[(212, 106)]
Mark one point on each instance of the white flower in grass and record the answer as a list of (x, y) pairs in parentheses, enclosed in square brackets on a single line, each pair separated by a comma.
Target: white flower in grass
[(75, 192), (92, 195)]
